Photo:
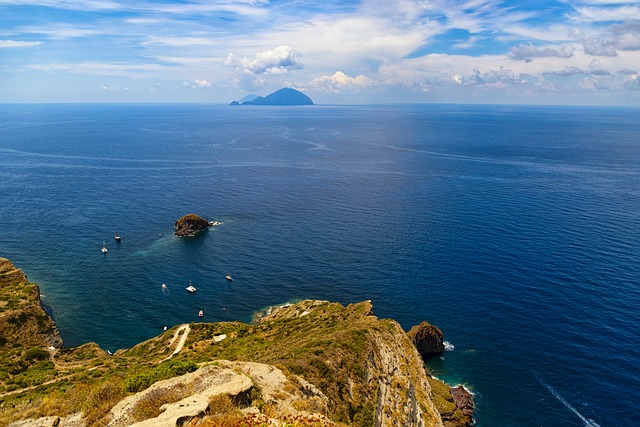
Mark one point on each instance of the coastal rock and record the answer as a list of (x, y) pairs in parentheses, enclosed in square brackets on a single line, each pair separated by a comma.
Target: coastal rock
[(190, 224), (23, 320), (464, 402), (427, 338)]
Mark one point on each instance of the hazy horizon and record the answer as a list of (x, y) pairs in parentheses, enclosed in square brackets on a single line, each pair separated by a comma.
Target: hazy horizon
[(557, 52)]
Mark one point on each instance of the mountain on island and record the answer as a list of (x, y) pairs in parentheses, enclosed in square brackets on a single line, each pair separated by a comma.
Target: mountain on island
[(249, 98), (284, 96)]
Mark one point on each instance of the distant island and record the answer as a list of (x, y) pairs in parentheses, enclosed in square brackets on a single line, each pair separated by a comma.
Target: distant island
[(284, 96)]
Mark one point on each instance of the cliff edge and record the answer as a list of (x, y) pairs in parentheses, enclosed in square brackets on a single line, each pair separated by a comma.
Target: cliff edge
[(23, 321), (314, 363)]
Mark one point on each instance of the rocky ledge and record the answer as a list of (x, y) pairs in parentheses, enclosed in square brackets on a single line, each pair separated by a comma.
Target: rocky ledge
[(190, 224)]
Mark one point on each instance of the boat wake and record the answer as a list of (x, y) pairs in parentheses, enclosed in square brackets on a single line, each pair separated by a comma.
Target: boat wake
[(588, 422)]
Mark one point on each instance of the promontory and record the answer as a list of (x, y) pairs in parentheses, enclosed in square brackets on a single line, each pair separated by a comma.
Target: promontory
[(313, 364)]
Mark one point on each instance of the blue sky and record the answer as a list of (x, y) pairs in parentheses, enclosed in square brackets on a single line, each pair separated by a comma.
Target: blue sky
[(370, 51)]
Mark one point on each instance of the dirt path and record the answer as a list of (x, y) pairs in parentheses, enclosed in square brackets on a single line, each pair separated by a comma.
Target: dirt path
[(182, 340), (185, 329)]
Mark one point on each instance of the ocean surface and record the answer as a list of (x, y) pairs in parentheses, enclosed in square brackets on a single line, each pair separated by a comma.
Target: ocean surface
[(514, 229)]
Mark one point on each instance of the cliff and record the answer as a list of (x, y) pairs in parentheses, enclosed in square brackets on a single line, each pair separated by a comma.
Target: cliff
[(23, 321), (314, 363)]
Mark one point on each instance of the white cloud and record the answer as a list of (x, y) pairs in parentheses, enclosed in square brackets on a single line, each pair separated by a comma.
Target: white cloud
[(202, 83), (17, 43), (527, 52), (251, 8), (340, 81), (197, 83), (607, 13), (545, 85), (277, 61), (587, 84), (101, 69), (182, 41)]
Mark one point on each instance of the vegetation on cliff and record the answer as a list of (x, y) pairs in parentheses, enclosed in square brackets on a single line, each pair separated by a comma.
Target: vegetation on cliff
[(314, 363), (26, 332)]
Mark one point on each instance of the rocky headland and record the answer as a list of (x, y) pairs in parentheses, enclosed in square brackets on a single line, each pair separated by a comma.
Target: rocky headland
[(314, 363), (190, 224)]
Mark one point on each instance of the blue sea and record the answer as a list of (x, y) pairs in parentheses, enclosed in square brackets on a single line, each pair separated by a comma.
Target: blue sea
[(515, 229)]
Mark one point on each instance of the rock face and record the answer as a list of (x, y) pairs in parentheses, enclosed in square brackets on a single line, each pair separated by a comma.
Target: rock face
[(284, 96), (464, 401), (383, 373), (427, 338), (23, 320), (190, 224)]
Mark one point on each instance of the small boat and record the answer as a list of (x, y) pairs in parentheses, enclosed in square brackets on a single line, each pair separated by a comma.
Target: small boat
[(104, 248), (191, 288), (229, 278), (164, 287), (117, 237), (201, 313)]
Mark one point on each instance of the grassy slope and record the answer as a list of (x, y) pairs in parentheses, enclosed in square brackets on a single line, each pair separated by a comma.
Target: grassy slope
[(329, 347)]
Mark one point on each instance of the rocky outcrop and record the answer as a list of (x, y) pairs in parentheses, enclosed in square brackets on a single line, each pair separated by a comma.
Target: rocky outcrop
[(190, 224), (464, 402), (393, 389), (455, 404), (23, 320), (402, 386), (427, 338)]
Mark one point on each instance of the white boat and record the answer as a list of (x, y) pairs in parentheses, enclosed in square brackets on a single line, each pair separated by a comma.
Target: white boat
[(117, 237), (229, 278), (164, 287), (201, 313), (191, 288), (104, 248)]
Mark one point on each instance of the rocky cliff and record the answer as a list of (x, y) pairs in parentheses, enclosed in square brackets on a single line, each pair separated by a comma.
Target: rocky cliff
[(314, 363), (23, 320)]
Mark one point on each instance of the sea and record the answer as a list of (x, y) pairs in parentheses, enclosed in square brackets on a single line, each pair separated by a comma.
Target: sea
[(515, 229)]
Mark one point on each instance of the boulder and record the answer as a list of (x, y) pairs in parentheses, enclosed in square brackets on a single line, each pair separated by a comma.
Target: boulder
[(464, 402), (427, 338), (190, 224)]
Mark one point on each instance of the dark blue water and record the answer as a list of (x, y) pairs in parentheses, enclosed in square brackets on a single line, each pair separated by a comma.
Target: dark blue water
[(515, 229)]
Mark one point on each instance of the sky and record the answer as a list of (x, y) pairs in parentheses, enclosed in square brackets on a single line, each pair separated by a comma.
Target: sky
[(336, 52)]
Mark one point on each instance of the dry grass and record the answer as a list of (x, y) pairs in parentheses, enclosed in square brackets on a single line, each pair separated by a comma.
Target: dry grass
[(151, 405)]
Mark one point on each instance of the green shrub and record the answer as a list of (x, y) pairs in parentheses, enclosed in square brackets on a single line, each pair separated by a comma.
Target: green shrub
[(36, 353), (165, 370)]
